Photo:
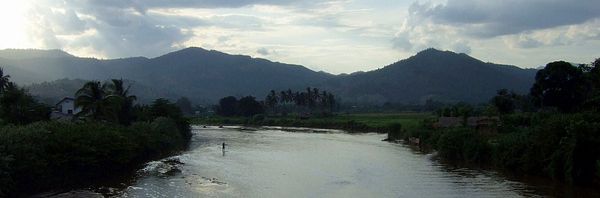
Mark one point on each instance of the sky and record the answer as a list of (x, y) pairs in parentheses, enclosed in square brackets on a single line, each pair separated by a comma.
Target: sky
[(336, 36)]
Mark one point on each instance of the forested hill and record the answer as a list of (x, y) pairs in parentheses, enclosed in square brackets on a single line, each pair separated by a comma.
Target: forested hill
[(433, 74), (207, 75), (199, 74)]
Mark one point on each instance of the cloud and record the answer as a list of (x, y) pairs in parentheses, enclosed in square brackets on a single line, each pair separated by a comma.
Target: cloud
[(520, 24), (144, 5), (461, 47), (118, 28), (263, 51), (483, 18), (109, 31)]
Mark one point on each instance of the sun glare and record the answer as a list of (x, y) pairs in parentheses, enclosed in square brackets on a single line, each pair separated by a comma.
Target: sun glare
[(13, 20)]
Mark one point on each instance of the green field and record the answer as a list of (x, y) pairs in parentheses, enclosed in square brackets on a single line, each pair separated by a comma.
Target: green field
[(378, 120), (372, 122)]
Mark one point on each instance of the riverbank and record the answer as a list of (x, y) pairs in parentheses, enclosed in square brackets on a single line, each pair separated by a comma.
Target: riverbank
[(52, 155), (353, 123), (563, 147)]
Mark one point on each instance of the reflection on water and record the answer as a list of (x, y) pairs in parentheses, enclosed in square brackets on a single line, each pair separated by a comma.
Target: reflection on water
[(273, 163)]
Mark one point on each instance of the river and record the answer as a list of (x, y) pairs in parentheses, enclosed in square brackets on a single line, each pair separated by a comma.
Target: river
[(270, 162)]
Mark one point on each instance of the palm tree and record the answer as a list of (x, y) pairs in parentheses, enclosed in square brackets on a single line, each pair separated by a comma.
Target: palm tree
[(4, 80), (91, 98), (272, 101), (119, 96)]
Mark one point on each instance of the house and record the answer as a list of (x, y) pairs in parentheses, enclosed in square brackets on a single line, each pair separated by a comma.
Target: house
[(67, 106), (65, 109)]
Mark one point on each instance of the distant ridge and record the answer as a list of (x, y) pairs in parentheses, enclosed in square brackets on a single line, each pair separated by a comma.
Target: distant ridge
[(33, 53), (207, 75), (434, 74)]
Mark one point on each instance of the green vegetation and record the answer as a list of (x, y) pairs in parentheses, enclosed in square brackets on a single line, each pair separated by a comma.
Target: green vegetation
[(17, 106), (351, 122), (312, 101), (53, 155), (553, 132), (109, 136), (246, 106)]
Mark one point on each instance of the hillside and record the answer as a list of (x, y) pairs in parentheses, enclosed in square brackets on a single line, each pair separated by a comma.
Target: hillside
[(433, 74), (207, 75), (51, 92), (200, 74)]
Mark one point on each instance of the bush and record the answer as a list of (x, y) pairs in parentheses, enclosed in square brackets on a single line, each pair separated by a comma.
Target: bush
[(395, 131), (54, 155), (258, 118), (509, 150), (463, 144)]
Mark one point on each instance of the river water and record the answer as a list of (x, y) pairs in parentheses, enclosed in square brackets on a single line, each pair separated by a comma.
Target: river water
[(270, 162)]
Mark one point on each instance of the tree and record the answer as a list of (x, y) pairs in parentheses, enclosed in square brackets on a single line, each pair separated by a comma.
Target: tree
[(248, 106), (560, 85), (18, 107), (91, 98), (331, 102), (164, 108), (310, 98), (185, 105), (227, 106), (504, 101), (119, 96), (593, 78), (4, 80), (271, 100)]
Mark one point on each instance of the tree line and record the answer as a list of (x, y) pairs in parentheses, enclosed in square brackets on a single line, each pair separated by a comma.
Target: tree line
[(560, 86), (279, 103), (309, 101), (112, 102)]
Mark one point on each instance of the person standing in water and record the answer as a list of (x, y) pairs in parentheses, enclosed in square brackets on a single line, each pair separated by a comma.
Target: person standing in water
[(223, 145)]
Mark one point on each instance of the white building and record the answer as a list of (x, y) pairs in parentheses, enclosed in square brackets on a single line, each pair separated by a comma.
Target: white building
[(67, 106), (65, 109)]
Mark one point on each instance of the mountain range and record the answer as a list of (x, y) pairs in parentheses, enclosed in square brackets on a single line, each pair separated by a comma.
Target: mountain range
[(204, 76)]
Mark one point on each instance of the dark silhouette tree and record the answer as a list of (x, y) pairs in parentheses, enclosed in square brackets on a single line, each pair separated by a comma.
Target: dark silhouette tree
[(283, 97), (18, 107), (310, 98), (271, 101), (185, 105), (118, 96), (228, 106), (505, 101), (248, 106), (290, 95), (164, 108), (560, 85), (331, 102), (592, 76), (91, 98), (4, 80)]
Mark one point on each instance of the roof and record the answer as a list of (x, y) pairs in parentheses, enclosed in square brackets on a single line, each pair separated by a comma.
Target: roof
[(65, 98)]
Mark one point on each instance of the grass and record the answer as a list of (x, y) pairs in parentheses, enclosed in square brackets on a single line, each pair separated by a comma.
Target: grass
[(371, 122), (380, 120)]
